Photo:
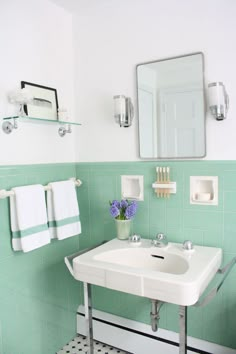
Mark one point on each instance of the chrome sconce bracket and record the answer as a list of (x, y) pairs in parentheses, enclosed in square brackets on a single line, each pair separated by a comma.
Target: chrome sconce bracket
[(8, 127), (62, 131)]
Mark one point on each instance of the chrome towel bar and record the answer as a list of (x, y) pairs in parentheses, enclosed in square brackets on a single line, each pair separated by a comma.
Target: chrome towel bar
[(4, 193)]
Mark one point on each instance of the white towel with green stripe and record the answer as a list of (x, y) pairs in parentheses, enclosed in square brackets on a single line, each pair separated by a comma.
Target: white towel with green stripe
[(29, 218), (63, 210)]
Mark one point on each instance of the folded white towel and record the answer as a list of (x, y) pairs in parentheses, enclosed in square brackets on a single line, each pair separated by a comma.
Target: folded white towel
[(63, 210), (29, 218)]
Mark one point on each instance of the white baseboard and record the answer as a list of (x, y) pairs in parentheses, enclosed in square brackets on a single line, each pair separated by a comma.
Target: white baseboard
[(138, 338)]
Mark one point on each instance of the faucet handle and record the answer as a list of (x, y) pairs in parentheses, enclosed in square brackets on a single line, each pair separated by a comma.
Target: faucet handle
[(135, 238), (160, 240), (188, 245), (160, 236)]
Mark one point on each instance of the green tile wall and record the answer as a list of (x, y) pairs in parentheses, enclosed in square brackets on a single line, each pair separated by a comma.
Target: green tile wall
[(38, 297), (204, 225)]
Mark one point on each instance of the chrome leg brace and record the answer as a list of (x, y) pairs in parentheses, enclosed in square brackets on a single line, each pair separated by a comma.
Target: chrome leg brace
[(182, 330), (88, 316)]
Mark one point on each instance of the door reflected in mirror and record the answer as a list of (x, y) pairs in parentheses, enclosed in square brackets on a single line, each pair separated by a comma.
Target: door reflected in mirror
[(171, 107)]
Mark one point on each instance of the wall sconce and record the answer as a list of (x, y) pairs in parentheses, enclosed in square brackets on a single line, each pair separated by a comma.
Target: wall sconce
[(218, 100), (123, 110)]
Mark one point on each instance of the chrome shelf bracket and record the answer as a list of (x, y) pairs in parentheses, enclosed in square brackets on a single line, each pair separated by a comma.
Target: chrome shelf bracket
[(8, 127), (62, 131)]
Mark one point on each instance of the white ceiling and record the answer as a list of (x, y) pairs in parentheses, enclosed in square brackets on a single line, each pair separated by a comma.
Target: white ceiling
[(78, 5)]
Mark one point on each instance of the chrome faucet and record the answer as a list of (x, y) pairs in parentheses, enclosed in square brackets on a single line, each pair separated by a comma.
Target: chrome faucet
[(160, 240)]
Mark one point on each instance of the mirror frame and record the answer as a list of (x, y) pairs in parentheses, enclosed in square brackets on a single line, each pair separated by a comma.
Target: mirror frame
[(204, 105)]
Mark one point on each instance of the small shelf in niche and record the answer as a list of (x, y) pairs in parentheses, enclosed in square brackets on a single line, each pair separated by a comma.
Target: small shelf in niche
[(204, 190), (8, 126)]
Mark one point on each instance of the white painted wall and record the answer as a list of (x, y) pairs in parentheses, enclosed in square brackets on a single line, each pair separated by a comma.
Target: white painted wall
[(112, 36), (36, 39)]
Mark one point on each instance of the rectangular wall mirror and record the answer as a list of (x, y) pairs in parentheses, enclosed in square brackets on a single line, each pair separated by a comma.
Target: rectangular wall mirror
[(171, 107)]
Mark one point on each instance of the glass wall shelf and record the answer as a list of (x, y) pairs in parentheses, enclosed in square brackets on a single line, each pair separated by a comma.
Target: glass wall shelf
[(27, 118), (8, 126)]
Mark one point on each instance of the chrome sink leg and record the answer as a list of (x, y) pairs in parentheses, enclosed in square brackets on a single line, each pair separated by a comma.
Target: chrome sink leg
[(182, 330), (88, 316)]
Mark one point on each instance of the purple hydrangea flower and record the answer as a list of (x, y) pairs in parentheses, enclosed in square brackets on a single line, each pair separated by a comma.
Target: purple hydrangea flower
[(115, 203), (114, 211), (134, 204), (123, 204), (130, 211), (123, 210)]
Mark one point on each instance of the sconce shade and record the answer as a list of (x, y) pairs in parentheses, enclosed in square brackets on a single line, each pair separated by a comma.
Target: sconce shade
[(218, 100), (123, 110), (119, 109)]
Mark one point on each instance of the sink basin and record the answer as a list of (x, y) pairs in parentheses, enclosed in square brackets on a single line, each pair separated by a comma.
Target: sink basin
[(145, 258), (168, 274)]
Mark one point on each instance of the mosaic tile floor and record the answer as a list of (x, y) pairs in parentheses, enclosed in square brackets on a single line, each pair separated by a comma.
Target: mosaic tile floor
[(78, 345)]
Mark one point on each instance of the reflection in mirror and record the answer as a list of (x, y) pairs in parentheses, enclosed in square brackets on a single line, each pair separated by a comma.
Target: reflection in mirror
[(171, 107)]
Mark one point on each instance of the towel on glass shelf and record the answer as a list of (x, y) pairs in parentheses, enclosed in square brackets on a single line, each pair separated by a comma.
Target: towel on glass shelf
[(28, 218), (63, 210)]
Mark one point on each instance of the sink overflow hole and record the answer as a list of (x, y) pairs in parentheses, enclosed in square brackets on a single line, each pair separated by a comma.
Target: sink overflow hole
[(154, 255)]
